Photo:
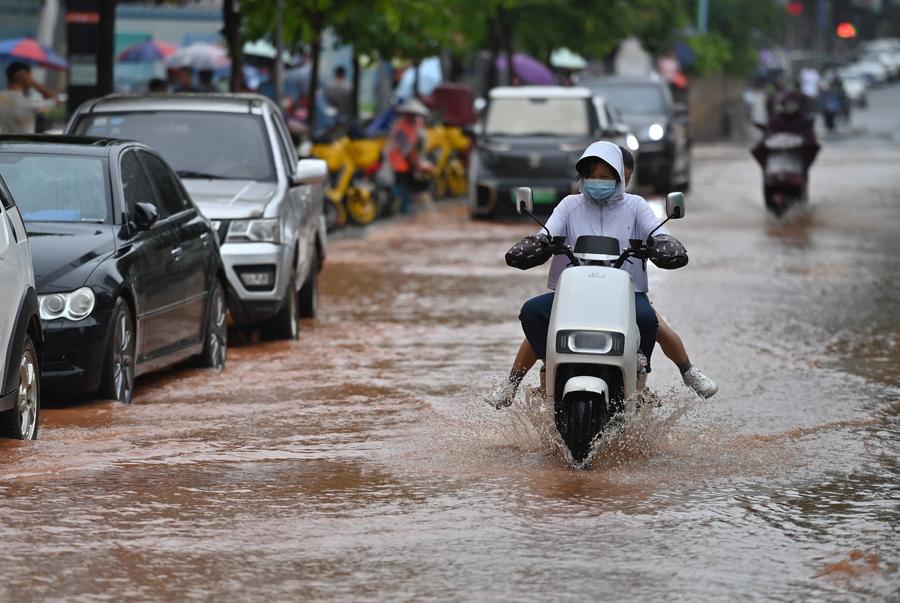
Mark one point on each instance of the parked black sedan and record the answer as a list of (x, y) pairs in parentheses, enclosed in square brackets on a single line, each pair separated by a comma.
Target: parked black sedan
[(127, 270), (660, 124)]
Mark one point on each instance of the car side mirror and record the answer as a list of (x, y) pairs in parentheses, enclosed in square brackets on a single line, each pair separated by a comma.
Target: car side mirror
[(675, 206), (524, 200), (145, 216), (311, 171)]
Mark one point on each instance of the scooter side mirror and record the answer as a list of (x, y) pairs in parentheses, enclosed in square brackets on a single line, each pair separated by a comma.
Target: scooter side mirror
[(524, 200), (675, 208)]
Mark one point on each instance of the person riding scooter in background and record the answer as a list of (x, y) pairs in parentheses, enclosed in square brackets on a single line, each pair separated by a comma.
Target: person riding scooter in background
[(790, 117), (603, 209), (666, 337)]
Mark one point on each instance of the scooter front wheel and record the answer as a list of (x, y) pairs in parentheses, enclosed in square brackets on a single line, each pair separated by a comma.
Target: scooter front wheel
[(576, 424)]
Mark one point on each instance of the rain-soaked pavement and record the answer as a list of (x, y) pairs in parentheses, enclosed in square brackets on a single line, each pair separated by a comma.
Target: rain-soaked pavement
[(360, 462)]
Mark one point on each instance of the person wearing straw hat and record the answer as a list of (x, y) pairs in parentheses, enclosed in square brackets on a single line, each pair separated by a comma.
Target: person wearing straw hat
[(18, 110), (406, 154)]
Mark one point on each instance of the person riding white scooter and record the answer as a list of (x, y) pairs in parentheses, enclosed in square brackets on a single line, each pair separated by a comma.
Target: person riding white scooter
[(601, 209)]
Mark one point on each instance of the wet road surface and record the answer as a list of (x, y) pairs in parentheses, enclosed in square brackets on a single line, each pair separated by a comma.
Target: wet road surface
[(359, 462)]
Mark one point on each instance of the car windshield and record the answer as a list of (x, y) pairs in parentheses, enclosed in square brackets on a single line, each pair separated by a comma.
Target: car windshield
[(57, 188), (635, 99), (196, 144), (538, 117)]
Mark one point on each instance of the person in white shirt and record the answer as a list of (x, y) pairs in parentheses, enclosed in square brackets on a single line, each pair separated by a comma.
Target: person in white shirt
[(809, 82), (18, 110)]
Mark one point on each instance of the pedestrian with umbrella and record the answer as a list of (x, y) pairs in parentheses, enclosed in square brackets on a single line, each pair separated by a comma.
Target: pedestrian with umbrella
[(18, 109)]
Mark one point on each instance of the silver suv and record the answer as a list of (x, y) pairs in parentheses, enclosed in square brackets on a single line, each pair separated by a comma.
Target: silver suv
[(236, 159), (20, 327)]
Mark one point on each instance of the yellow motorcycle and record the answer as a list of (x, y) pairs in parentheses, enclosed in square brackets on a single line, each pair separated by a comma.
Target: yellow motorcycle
[(350, 194), (448, 144)]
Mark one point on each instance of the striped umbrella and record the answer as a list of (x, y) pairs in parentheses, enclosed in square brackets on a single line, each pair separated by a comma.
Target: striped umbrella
[(146, 52), (28, 50)]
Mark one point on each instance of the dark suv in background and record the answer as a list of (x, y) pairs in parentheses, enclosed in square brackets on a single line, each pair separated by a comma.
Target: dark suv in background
[(532, 136), (660, 124)]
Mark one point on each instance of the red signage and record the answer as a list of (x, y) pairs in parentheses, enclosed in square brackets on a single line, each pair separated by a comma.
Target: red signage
[(82, 17)]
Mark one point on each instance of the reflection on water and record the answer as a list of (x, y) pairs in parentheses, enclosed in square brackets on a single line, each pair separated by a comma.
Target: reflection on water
[(360, 462)]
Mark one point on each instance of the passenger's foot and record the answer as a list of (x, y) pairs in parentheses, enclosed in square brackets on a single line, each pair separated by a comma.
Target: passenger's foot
[(502, 395), (700, 383)]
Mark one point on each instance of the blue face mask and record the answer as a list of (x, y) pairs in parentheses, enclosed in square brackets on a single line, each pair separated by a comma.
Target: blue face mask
[(597, 189)]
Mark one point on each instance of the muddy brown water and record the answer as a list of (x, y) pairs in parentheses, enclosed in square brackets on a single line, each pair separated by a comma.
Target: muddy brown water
[(360, 463)]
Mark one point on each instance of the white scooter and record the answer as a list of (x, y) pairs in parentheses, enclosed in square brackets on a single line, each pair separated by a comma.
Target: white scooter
[(592, 364)]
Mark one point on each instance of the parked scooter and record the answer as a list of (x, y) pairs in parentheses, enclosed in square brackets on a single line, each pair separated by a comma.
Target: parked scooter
[(593, 369)]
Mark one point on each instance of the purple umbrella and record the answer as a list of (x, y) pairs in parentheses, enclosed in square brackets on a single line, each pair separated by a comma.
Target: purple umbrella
[(529, 69)]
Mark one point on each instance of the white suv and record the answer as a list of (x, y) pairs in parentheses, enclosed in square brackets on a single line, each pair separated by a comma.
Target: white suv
[(20, 327), (236, 159)]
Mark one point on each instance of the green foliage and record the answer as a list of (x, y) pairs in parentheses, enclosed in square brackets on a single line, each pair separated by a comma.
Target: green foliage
[(415, 29), (712, 53)]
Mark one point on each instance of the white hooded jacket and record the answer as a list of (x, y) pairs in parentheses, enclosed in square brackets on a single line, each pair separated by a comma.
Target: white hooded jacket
[(622, 216)]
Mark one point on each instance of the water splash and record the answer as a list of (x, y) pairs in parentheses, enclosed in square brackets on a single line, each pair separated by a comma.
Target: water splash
[(632, 435)]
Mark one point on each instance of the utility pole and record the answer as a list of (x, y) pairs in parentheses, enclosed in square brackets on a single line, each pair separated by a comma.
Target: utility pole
[(702, 16)]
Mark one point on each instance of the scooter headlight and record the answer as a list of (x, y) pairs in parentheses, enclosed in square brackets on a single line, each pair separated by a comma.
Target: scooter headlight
[(603, 343)]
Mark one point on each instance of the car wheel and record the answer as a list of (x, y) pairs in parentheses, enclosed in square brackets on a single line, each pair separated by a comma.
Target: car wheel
[(286, 324), (21, 422), (215, 341), (118, 366), (309, 293)]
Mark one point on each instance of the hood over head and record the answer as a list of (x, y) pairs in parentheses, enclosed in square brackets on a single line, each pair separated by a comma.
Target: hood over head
[(610, 153)]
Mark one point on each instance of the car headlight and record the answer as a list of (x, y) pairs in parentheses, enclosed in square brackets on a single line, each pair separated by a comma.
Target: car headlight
[(75, 306), (263, 230), (632, 143), (656, 132), (603, 343)]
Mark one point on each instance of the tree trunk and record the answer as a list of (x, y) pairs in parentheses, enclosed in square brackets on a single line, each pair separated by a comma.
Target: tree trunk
[(354, 95), (232, 22), (314, 52), (106, 47)]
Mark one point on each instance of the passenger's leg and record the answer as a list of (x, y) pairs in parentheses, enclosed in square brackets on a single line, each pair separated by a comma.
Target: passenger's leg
[(535, 318), (525, 359), (647, 324), (672, 346)]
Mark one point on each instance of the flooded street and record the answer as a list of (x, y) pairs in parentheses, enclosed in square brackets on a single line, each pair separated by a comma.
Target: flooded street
[(361, 463)]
